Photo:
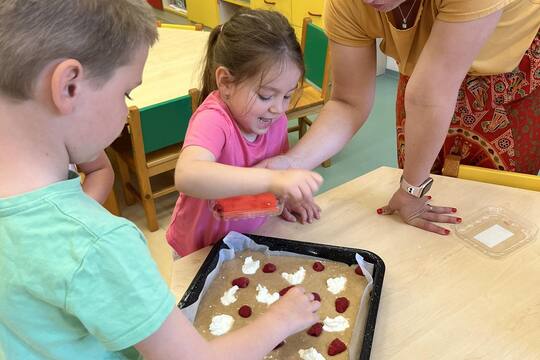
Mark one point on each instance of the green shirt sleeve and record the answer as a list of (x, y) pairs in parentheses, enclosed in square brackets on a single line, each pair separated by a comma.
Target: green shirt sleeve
[(117, 292)]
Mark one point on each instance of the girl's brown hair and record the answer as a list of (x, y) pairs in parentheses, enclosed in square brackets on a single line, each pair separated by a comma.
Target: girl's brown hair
[(249, 44)]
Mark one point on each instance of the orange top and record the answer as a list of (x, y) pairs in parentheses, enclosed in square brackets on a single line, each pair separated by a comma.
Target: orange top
[(353, 23)]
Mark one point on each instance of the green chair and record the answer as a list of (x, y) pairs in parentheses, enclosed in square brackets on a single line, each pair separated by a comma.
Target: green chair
[(315, 89), (150, 146)]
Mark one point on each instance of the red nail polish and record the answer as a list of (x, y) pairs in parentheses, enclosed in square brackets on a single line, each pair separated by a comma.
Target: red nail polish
[(429, 197), (446, 231), (379, 211), (458, 220), (454, 210)]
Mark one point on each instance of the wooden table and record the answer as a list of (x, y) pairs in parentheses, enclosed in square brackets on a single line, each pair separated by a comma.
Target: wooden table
[(172, 67), (440, 298)]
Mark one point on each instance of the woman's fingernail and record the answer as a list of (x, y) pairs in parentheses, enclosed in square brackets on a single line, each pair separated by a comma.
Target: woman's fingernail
[(454, 210), (379, 211), (458, 220), (446, 231), (429, 197)]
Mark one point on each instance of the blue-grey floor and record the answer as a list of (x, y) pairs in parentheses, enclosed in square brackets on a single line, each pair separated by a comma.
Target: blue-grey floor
[(373, 145)]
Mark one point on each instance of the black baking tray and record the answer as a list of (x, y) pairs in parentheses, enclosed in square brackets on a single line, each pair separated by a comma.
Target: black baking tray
[(336, 253)]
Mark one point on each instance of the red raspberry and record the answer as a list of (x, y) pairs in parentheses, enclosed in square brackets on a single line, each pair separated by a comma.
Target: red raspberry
[(241, 282), (318, 266), (342, 303), (316, 329), (244, 311), (279, 345), (358, 270), (284, 290), (269, 268), (316, 296), (336, 347)]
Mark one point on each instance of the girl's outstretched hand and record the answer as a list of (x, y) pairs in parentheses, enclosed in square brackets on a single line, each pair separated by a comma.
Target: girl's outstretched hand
[(295, 184)]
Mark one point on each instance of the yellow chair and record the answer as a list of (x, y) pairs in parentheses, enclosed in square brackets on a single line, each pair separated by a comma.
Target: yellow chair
[(150, 146), (315, 90), (196, 27), (453, 168)]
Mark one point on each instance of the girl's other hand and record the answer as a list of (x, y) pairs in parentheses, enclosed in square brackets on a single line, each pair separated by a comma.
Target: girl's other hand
[(295, 184), (303, 212)]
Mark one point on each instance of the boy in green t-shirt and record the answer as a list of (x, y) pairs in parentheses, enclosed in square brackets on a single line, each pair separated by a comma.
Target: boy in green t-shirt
[(76, 282)]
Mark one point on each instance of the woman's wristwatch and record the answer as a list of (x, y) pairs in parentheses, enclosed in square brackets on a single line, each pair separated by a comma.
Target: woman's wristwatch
[(416, 191)]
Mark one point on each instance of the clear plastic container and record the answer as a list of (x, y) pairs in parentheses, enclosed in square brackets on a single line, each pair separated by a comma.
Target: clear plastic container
[(495, 231), (246, 207)]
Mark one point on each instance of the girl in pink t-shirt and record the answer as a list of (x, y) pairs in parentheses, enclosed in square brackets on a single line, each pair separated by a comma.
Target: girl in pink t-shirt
[(253, 66)]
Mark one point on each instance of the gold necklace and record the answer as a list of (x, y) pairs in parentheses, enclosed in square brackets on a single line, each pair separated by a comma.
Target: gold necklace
[(405, 18)]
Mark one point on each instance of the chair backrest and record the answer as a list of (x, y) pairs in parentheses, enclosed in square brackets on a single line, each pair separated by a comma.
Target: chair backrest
[(452, 167), (315, 47), (166, 123), (196, 27)]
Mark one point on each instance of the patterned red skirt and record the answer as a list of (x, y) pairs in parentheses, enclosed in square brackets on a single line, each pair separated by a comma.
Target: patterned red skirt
[(496, 122)]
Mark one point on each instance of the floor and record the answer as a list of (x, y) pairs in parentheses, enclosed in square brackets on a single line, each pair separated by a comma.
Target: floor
[(373, 146)]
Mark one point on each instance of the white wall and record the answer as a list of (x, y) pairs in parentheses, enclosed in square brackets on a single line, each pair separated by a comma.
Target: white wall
[(391, 64)]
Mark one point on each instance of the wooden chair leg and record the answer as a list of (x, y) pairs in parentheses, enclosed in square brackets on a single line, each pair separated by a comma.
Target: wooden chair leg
[(327, 163), (123, 172), (111, 204), (147, 200), (302, 126)]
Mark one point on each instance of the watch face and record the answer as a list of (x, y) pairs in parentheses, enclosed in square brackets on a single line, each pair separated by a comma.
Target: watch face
[(426, 186)]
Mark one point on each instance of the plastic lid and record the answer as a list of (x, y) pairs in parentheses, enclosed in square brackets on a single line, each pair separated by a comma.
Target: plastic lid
[(495, 231)]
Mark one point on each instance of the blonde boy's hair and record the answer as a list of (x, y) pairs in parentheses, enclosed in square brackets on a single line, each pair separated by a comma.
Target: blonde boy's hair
[(101, 34)]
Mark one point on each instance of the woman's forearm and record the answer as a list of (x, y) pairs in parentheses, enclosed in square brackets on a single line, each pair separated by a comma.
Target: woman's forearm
[(331, 131), (426, 128)]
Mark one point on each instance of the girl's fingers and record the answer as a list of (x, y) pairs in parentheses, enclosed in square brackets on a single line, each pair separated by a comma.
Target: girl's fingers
[(286, 214)]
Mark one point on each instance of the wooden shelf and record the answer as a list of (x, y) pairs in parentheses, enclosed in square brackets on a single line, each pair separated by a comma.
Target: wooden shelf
[(244, 3), (175, 10)]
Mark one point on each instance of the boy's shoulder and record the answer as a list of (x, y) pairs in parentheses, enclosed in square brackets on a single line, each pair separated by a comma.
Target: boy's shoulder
[(63, 210)]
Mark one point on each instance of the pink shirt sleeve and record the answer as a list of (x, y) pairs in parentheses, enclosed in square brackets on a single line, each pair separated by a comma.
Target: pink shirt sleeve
[(209, 130)]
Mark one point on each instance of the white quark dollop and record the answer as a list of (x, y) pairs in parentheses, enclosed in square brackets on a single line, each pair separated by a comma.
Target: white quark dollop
[(336, 285), (221, 324), (310, 354), (339, 323), (263, 296), (228, 297), (250, 267), (296, 278)]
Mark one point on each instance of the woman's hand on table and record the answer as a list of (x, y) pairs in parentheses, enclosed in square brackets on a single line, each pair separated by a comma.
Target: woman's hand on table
[(419, 212), (302, 212)]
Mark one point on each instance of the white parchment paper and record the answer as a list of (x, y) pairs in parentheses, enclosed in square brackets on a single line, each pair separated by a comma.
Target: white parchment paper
[(238, 243)]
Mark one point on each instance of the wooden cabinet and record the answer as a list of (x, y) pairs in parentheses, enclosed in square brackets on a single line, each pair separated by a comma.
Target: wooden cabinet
[(282, 6), (213, 12), (203, 12), (304, 8)]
